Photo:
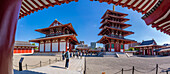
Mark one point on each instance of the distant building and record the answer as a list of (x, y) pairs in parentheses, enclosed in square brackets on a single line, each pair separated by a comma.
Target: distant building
[(148, 47), (23, 47), (81, 42), (166, 45), (82, 47), (93, 45), (127, 46)]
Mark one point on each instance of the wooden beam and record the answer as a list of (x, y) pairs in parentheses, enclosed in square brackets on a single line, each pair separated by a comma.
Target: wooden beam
[(66, 1), (158, 28), (131, 6), (37, 5), (149, 7), (165, 29), (138, 5), (144, 6), (100, 1), (27, 7), (162, 21), (45, 6), (31, 6), (125, 4), (111, 1), (57, 2), (118, 2), (50, 4), (25, 10)]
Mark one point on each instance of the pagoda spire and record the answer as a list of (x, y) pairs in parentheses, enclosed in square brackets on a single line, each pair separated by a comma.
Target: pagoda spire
[(113, 7)]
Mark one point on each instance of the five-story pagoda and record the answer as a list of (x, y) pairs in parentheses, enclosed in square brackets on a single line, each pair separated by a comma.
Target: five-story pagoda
[(112, 31)]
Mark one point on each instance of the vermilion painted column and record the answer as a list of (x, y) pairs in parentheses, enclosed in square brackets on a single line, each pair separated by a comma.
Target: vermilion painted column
[(39, 47), (8, 21), (58, 45), (69, 46), (149, 51), (114, 47), (110, 46), (66, 44), (152, 52), (143, 52), (44, 46), (123, 48), (51, 45)]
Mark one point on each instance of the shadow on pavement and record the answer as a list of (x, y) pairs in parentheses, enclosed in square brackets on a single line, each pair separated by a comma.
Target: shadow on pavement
[(26, 72), (58, 67)]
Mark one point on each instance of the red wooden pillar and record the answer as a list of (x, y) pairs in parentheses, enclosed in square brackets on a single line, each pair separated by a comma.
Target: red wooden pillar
[(66, 44), (39, 47), (44, 46), (152, 52), (73, 46), (8, 21), (58, 45), (114, 47), (69, 46), (110, 46), (143, 52), (147, 52), (123, 48), (51, 45)]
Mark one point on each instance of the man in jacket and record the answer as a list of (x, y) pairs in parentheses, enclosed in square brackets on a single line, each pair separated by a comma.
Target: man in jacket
[(67, 54)]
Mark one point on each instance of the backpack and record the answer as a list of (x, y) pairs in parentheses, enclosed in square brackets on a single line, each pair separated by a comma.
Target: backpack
[(66, 55)]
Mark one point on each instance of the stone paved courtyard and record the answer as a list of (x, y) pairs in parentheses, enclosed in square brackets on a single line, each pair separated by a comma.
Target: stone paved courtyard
[(111, 65), (76, 66)]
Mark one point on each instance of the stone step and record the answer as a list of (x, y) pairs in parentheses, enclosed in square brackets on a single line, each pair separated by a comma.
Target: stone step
[(109, 56), (122, 55)]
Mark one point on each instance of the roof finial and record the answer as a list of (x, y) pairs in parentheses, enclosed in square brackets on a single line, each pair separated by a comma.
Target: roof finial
[(142, 40), (152, 38), (56, 19), (113, 7)]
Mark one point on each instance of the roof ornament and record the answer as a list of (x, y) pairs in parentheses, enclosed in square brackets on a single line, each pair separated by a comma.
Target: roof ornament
[(113, 7)]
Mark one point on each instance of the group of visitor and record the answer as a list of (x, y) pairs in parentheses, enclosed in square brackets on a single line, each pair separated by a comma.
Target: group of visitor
[(67, 56)]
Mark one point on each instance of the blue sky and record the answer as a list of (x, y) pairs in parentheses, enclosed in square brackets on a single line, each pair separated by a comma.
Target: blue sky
[(85, 17)]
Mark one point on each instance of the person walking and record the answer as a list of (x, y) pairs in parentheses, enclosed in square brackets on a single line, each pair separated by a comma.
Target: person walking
[(67, 55), (63, 55), (77, 54)]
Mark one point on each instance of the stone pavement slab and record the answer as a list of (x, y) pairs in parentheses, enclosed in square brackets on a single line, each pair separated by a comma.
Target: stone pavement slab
[(76, 66)]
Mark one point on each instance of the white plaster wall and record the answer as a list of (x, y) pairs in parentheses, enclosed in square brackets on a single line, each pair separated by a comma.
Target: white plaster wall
[(54, 46), (62, 46), (41, 47), (32, 50), (47, 47)]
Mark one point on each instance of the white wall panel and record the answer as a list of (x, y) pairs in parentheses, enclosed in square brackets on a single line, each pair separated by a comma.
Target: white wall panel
[(67, 45), (47, 47), (62, 46), (41, 47), (54, 46)]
